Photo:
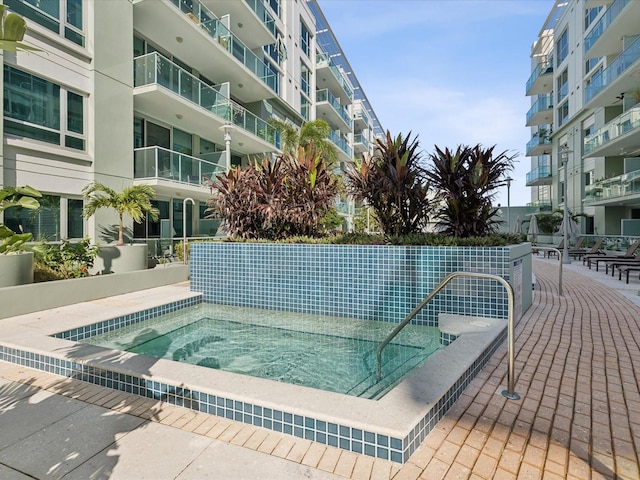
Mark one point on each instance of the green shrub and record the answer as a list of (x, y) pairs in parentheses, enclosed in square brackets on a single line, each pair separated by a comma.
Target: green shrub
[(67, 260)]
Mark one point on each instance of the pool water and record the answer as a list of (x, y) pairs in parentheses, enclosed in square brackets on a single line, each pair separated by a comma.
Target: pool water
[(328, 353)]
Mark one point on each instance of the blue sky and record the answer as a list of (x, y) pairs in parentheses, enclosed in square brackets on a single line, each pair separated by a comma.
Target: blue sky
[(451, 71)]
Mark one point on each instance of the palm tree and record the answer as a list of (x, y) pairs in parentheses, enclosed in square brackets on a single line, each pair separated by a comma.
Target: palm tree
[(315, 132), (134, 201)]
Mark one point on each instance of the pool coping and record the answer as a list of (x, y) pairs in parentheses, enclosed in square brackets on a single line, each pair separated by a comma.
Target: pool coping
[(390, 428)]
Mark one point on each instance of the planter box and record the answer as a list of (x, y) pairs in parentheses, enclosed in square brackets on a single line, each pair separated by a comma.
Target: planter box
[(43, 296), (371, 282), (16, 269), (121, 259)]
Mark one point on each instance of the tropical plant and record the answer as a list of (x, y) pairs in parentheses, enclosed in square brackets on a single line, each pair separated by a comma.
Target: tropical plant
[(16, 197), (466, 181), (67, 260), (315, 132), (549, 223), (133, 201), (394, 184), (278, 199)]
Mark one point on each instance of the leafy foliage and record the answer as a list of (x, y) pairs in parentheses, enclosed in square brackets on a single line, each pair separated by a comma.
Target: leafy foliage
[(315, 132), (466, 180), (393, 183), (16, 197), (134, 201), (277, 199), (67, 260)]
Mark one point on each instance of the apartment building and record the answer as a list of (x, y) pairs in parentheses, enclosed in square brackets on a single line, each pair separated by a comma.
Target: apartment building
[(167, 93), (585, 114)]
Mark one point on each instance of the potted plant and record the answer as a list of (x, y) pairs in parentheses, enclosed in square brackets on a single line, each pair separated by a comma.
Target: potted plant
[(134, 202), (16, 265)]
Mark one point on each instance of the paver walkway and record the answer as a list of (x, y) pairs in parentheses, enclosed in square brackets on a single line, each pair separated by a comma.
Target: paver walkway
[(577, 371)]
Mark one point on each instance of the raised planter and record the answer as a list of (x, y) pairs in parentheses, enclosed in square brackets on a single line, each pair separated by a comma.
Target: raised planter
[(121, 259), (370, 282), (16, 269)]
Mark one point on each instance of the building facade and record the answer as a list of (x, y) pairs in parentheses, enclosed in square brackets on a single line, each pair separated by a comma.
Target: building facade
[(167, 93), (585, 114)]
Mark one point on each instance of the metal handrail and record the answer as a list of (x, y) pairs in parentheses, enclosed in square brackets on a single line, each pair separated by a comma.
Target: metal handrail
[(509, 393), (553, 249)]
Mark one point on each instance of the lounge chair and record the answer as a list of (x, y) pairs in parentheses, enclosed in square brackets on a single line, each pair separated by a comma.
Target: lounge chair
[(597, 259), (548, 253), (577, 253), (613, 263), (627, 269), (577, 248)]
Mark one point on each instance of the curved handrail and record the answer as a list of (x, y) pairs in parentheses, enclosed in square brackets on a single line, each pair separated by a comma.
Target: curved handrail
[(509, 393)]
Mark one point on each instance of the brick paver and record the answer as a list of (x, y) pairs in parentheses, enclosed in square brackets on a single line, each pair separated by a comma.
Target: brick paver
[(577, 371)]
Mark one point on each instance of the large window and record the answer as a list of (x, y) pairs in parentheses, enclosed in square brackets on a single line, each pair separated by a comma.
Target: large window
[(305, 79), (39, 109), (562, 86), (590, 15), (63, 17), (563, 113), (562, 47), (305, 39)]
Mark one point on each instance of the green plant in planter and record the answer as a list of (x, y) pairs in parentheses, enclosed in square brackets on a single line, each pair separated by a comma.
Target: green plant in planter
[(134, 201), (67, 260), (17, 197), (393, 183), (466, 180)]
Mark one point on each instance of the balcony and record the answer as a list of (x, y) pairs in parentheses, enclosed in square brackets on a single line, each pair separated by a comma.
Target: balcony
[(541, 112), (619, 20), (165, 170), (541, 79), (620, 190), (619, 135), (539, 176), (621, 75), (345, 152), (541, 205), (332, 111), (165, 91), (249, 20), (361, 119), (540, 144), (361, 144), (196, 36), (328, 75)]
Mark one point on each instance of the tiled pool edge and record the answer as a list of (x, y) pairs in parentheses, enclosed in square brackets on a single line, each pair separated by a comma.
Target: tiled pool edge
[(346, 437)]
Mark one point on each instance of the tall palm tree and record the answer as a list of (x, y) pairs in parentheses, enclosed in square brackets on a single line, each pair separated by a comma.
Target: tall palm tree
[(315, 132), (134, 201)]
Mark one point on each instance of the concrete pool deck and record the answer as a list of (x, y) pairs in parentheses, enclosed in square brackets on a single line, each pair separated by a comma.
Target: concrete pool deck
[(577, 370)]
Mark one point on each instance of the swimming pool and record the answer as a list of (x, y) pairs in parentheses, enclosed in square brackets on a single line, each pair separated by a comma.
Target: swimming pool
[(329, 353)]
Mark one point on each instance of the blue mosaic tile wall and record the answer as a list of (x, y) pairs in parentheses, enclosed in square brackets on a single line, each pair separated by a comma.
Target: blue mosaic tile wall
[(369, 282)]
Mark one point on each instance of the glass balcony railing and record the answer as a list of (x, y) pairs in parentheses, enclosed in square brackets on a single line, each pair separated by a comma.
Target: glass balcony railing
[(153, 68), (614, 187), (360, 138), (541, 205), (263, 14), (325, 95), (607, 19), (324, 59), (543, 103), (538, 140), (615, 69), (541, 69), (160, 163), (620, 125), (362, 114), (206, 19), (341, 143), (543, 171)]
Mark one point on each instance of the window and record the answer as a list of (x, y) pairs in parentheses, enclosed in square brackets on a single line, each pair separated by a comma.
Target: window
[(588, 178), (590, 15), (305, 79), (47, 221), (563, 113), (562, 86), (75, 224), (561, 191), (304, 107), (275, 6), (38, 109), (590, 63), (63, 17), (562, 47), (305, 39)]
